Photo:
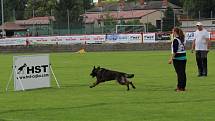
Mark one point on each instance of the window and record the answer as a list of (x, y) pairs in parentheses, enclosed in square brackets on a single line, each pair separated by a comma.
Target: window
[(158, 24)]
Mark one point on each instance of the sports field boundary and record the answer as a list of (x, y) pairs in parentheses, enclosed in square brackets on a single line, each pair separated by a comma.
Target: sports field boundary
[(91, 47)]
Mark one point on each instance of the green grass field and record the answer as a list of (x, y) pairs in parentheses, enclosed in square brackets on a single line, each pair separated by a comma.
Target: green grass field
[(153, 100)]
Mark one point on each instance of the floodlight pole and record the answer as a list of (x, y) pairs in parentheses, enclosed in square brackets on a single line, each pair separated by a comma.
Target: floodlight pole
[(68, 23), (33, 13), (174, 19), (2, 17)]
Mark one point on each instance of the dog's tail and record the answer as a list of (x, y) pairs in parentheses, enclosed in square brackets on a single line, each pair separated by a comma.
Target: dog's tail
[(129, 75)]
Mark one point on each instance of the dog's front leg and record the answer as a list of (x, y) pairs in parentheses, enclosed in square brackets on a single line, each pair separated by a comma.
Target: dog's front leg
[(127, 87), (94, 84), (132, 85)]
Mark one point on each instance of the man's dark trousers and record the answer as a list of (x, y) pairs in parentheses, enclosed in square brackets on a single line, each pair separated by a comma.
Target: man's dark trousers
[(201, 60)]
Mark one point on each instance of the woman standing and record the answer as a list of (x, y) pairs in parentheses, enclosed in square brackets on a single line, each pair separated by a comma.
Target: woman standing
[(178, 58)]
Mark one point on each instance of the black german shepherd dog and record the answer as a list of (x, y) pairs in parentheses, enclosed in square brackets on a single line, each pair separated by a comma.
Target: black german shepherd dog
[(103, 75)]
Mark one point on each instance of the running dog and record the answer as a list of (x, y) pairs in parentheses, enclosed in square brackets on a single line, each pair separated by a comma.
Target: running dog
[(103, 75)]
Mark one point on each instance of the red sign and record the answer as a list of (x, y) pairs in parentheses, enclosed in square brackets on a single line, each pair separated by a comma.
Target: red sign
[(212, 38)]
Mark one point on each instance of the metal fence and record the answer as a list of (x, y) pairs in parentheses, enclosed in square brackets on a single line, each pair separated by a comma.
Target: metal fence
[(65, 23), (55, 22)]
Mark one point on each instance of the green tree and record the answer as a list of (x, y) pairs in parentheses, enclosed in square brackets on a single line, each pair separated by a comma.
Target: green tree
[(168, 20), (13, 9), (73, 8), (58, 8), (151, 27), (20, 7), (109, 20), (177, 2), (40, 7), (133, 22), (192, 7)]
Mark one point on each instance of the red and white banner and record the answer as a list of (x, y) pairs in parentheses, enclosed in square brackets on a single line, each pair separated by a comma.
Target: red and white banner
[(212, 37), (54, 40), (80, 39)]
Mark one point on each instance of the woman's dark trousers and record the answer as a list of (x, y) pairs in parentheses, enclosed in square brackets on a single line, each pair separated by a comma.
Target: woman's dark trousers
[(180, 68)]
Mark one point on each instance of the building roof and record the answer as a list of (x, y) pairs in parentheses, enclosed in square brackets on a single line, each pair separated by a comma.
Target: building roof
[(11, 26), (134, 6), (36, 20), (113, 7), (92, 17)]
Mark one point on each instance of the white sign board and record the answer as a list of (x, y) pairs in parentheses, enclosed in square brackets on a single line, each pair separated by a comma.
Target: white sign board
[(148, 37), (124, 38), (12, 41), (31, 72), (74, 39), (95, 1), (81, 39), (189, 36)]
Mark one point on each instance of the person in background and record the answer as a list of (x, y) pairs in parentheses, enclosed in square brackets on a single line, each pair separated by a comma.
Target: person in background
[(201, 45), (178, 58)]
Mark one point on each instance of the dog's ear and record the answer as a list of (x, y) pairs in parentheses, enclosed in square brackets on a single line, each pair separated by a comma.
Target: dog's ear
[(94, 67), (99, 67)]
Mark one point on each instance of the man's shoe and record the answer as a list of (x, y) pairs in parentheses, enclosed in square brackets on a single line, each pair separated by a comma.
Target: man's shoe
[(205, 75), (182, 89), (179, 90), (200, 75)]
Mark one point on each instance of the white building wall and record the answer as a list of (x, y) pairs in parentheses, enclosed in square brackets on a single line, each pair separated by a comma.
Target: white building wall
[(190, 25), (152, 17)]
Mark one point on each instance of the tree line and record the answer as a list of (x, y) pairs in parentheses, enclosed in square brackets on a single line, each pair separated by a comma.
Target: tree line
[(24, 9)]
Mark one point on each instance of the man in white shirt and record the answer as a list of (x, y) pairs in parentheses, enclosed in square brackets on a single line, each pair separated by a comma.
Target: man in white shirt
[(201, 45)]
